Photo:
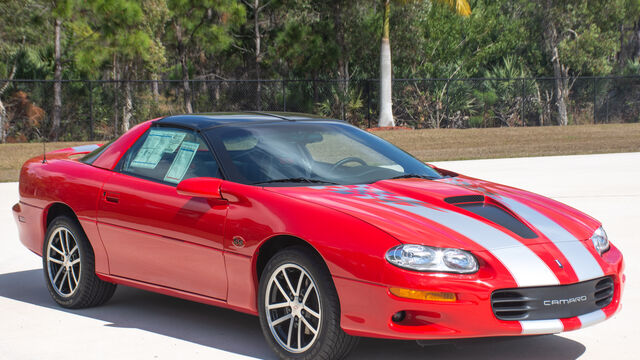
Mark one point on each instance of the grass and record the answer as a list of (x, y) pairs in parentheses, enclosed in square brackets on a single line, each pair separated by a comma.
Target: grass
[(12, 156), (491, 143), (442, 144)]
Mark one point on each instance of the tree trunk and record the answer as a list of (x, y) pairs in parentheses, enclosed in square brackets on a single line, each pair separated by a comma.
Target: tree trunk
[(127, 108), (116, 88), (3, 122), (57, 85), (4, 126), (560, 73), (182, 53), (561, 84), (343, 64), (258, 51), (154, 88), (636, 41), (185, 83), (386, 113)]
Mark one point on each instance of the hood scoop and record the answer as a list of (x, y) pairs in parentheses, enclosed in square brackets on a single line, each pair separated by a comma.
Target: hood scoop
[(497, 214), (465, 199)]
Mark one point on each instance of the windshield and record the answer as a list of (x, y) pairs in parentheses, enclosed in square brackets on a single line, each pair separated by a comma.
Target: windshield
[(310, 153)]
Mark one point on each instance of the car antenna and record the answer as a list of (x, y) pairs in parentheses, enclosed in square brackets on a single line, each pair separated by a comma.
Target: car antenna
[(44, 150), (44, 147)]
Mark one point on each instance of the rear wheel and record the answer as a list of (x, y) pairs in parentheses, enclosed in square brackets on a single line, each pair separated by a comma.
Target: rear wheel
[(69, 266), (299, 308)]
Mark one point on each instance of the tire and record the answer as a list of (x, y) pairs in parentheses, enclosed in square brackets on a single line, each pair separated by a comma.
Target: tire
[(69, 267), (311, 325)]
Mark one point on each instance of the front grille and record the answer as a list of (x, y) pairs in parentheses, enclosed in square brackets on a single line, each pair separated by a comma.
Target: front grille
[(552, 302)]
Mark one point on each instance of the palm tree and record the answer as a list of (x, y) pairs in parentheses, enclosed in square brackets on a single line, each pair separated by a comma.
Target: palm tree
[(386, 114)]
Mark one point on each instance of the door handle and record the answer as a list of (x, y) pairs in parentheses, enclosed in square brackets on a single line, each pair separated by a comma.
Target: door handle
[(111, 197)]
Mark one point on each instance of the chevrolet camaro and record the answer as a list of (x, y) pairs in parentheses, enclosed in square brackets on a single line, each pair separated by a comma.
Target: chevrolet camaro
[(326, 232)]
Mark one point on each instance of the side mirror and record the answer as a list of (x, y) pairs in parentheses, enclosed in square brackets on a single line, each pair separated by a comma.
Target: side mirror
[(204, 187)]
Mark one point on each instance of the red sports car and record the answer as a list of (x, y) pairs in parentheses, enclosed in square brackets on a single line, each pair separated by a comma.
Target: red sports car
[(325, 231)]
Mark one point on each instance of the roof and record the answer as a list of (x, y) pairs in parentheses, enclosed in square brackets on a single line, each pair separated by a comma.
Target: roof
[(209, 120)]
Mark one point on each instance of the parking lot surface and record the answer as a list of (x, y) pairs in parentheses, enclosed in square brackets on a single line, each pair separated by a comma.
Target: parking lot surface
[(136, 324)]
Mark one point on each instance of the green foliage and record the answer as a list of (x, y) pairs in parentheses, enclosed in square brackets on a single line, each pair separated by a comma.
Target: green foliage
[(326, 39)]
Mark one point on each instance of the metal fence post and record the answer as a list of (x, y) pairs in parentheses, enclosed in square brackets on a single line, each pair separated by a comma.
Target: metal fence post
[(446, 109), (368, 92), (523, 97), (284, 95), (607, 117), (595, 102), (91, 133)]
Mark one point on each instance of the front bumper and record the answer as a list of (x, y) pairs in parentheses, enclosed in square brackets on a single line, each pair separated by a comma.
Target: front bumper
[(367, 308)]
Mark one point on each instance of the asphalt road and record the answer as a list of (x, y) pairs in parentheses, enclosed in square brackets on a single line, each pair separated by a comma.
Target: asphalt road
[(141, 325)]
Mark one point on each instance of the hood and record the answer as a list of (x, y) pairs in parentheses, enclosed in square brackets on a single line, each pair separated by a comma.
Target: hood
[(457, 212)]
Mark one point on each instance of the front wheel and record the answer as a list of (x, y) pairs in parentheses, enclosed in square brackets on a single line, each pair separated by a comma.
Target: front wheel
[(69, 266), (299, 308)]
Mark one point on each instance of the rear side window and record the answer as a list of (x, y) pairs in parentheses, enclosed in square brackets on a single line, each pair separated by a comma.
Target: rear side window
[(92, 156), (170, 155)]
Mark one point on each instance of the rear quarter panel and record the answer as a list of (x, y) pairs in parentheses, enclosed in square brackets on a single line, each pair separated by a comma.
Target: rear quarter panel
[(65, 181)]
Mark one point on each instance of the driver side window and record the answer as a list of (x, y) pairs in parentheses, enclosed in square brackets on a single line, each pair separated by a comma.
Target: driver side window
[(169, 155)]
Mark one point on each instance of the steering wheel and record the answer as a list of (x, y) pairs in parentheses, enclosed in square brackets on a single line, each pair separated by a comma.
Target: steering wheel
[(348, 160)]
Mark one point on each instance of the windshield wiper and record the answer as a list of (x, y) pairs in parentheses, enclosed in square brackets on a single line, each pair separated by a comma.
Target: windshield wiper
[(296, 180), (407, 176)]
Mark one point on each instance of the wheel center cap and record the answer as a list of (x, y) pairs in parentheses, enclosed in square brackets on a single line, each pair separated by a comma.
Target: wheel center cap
[(296, 308)]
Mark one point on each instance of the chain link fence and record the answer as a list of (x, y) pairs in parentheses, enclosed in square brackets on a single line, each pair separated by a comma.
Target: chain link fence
[(101, 110)]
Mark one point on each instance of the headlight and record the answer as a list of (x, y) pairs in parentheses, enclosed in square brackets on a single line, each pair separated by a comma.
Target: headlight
[(600, 240), (427, 258)]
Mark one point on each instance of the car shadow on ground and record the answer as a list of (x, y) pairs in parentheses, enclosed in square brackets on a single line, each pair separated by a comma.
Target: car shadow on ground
[(221, 328)]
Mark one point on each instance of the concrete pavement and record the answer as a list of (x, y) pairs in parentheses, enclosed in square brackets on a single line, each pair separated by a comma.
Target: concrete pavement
[(140, 325)]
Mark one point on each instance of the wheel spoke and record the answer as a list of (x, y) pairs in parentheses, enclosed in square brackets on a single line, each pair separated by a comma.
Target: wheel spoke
[(69, 282), (286, 278), (299, 330), (62, 280), (306, 295), (284, 293), (278, 305), (75, 248), (299, 287), (55, 278), (311, 328), (66, 240), (75, 277), (289, 335), (74, 262), (315, 314), (280, 320), (54, 248), (64, 249), (55, 261)]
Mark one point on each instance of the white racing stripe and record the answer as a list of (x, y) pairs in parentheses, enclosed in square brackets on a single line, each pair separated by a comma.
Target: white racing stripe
[(592, 318), (534, 327), (525, 266), (581, 260)]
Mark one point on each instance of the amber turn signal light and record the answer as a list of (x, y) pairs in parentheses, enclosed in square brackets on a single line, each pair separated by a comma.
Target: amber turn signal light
[(423, 295)]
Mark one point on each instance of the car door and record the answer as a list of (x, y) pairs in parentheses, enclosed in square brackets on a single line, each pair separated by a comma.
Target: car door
[(150, 232)]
